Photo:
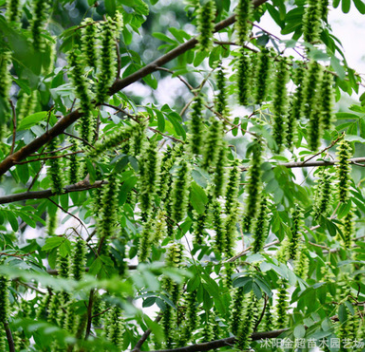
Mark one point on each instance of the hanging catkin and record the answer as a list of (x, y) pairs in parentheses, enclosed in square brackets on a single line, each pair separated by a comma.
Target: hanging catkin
[(312, 21), (196, 126), (206, 15), (343, 170), (244, 11)]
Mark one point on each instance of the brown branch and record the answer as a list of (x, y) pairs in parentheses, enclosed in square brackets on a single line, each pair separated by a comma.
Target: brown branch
[(145, 335), (49, 157), (77, 187), (166, 135), (229, 341), (118, 85), (9, 337), (14, 128), (35, 178), (89, 313), (79, 138)]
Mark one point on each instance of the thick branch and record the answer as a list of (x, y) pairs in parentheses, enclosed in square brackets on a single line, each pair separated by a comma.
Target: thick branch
[(229, 341), (80, 186), (118, 85), (9, 337)]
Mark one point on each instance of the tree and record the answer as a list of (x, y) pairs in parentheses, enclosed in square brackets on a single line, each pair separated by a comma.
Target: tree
[(234, 214)]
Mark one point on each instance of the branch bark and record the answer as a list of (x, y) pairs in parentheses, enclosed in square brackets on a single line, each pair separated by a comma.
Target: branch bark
[(118, 85), (9, 337), (229, 341)]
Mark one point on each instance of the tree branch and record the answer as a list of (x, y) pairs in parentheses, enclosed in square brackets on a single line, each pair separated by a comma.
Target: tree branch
[(229, 341), (77, 187), (118, 85), (9, 337), (145, 335), (14, 127)]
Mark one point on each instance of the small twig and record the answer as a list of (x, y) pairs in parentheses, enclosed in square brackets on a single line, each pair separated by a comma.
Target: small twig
[(9, 337), (166, 135), (119, 63), (89, 314), (79, 138), (48, 158), (104, 311), (145, 335), (190, 87)]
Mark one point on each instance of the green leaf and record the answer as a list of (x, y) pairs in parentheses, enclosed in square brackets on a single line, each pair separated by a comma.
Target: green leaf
[(32, 120), (359, 4), (53, 242), (335, 63), (198, 198)]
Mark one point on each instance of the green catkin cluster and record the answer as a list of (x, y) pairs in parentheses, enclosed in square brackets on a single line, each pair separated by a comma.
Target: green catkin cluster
[(218, 226), (243, 15), (146, 239), (53, 309), (5, 75), (71, 318), (42, 309), (196, 126), (48, 65), (236, 310), (27, 104), (327, 99), (106, 64), (311, 85), (282, 305), (138, 141), (4, 300), (180, 191), (261, 226), (54, 170), (268, 318), (232, 187), (323, 194), (88, 36), (52, 223), (212, 144), (64, 272), (295, 233), (192, 317), (219, 175), (208, 330), (205, 20), (295, 108), (324, 9), (312, 21), (121, 136), (302, 263), (348, 229), (78, 260), (82, 92), (243, 77), (40, 8), (221, 105), (198, 228), (253, 187), (13, 10), (109, 207), (262, 76), (160, 227), (343, 170), (247, 324), (149, 178), (280, 102), (74, 163), (115, 328), (98, 307)]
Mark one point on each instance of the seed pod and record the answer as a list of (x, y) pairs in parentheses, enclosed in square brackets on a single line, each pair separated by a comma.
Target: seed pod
[(160, 227), (42, 309), (324, 9), (54, 170), (52, 223), (74, 163), (54, 309), (98, 307), (149, 178), (192, 317), (295, 108), (343, 170), (196, 126), (218, 226), (282, 305), (243, 77), (327, 95), (115, 328), (138, 140), (13, 10), (323, 194), (78, 267), (27, 104), (39, 19), (244, 11), (199, 227), (280, 103), (212, 145), (219, 175), (180, 191), (71, 318), (262, 76), (205, 24), (312, 21), (261, 225), (4, 300), (113, 140), (6, 78), (147, 235), (82, 92), (247, 325), (232, 187), (348, 230), (105, 225), (295, 233), (302, 263), (236, 310), (253, 187), (208, 329), (311, 85), (231, 228), (221, 105), (268, 318), (106, 64), (49, 61), (88, 41)]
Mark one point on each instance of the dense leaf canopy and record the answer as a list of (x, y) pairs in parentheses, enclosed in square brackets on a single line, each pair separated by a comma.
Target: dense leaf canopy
[(175, 177)]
